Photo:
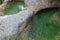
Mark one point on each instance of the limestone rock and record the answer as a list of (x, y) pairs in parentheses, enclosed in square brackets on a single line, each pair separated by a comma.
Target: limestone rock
[(41, 4), (14, 24), (3, 7)]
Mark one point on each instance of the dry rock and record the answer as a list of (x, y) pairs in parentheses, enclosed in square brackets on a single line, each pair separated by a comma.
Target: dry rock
[(41, 4), (14, 24)]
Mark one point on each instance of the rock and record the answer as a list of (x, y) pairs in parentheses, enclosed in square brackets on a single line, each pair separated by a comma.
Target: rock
[(14, 24), (3, 7), (56, 19), (41, 4)]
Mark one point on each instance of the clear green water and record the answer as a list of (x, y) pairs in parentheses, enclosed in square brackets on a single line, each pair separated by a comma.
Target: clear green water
[(14, 8), (42, 25)]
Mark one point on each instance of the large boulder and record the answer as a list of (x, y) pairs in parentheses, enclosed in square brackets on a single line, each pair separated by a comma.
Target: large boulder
[(14, 24), (41, 4)]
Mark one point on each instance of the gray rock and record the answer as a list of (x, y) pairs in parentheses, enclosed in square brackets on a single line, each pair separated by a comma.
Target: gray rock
[(14, 24), (41, 4)]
